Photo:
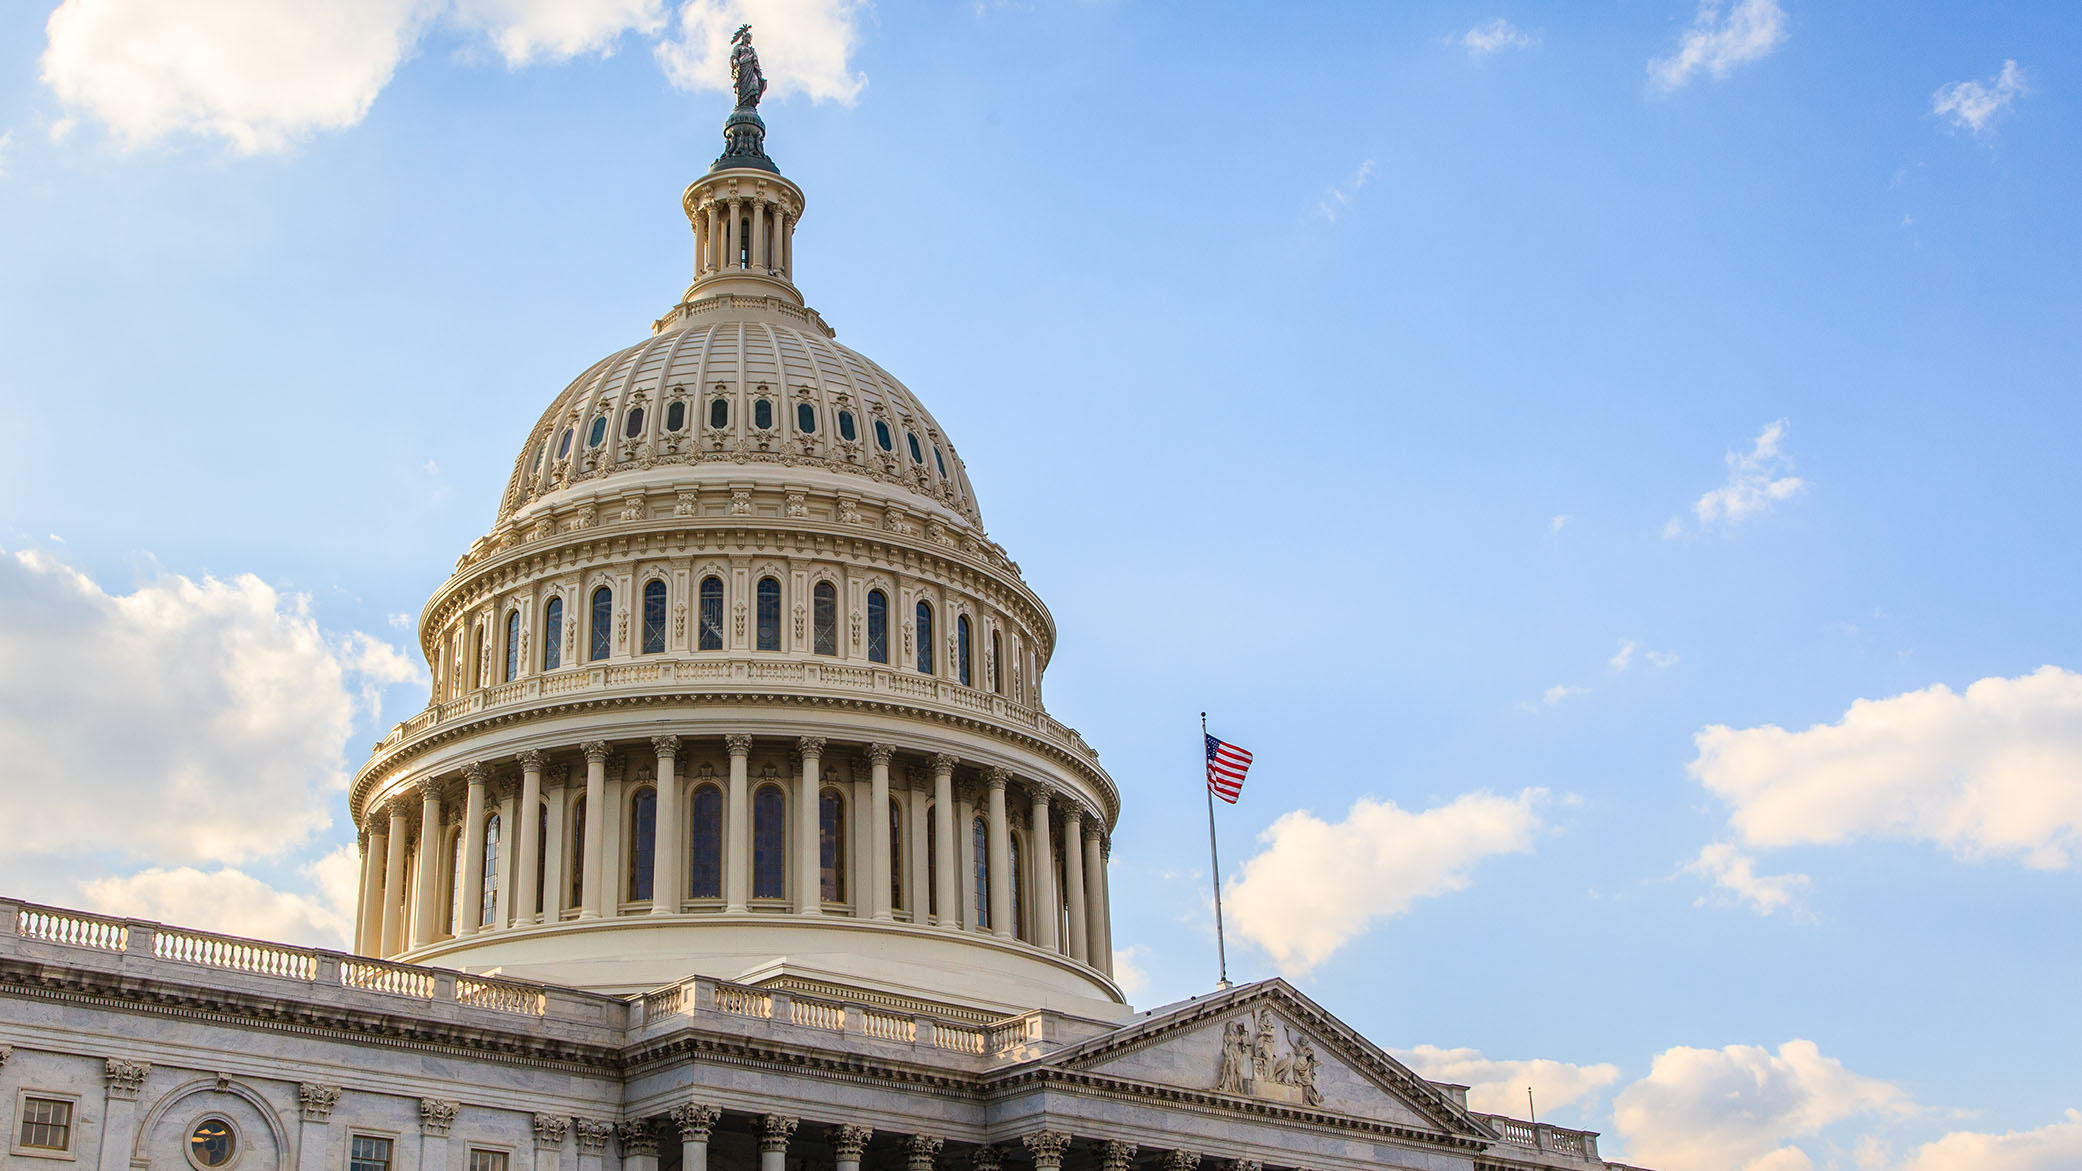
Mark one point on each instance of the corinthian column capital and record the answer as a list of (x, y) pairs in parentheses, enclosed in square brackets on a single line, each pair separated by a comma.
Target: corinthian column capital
[(880, 753), (738, 743), (596, 751), (477, 772), (1047, 1147), (775, 1130), (945, 762), (996, 777), (849, 1140), (811, 747), (665, 745), (695, 1120), (533, 758)]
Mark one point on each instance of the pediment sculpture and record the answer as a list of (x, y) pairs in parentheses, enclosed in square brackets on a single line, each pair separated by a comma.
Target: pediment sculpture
[(1253, 1065)]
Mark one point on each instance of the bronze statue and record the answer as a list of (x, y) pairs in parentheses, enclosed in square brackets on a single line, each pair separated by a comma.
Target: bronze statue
[(744, 69)]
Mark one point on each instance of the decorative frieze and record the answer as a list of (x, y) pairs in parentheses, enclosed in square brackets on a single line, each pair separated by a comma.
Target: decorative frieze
[(317, 1101), (125, 1078), (436, 1115), (1252, 1064)]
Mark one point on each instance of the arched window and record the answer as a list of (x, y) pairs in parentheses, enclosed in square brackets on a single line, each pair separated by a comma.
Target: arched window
[(925, 639), (643, 840), (488, 908), (719, 413), (961, 648), (711, 614), (744, 244), (654, 617), (553, 634), (633, 425), (512, 645), (881, 436), (675, 416), (762, 414), (847, 431), (805, 418), (597, 433), (1019, 890), (979, 844), (824, 618), (932, 872), (769, 843), (476, 678), (831, 847), (769, 614), (877, 626), (577, 850), (705, 852), (603, 622), (896, 855), (997, 663)]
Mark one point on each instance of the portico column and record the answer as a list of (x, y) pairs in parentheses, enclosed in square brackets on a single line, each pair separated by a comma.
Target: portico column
[(847, 1142), (1103, 953), (373, 865), (918, 848), (530, 834), (469, 917), (1000, 857), (737, 874), (509, 816), (920, 1150), (429, 901), (591, 899), (774, 1132), (1095, 895), (878, 831), (592, 1135), (943, 841), (1116, 1156), (1073, 880), (712, 256), (665, 840), (1041, 832), (556, 846), (695, 1121), (394, 882), (1181, 1160), (809, 888), (639, 1145), (1047, 1147)]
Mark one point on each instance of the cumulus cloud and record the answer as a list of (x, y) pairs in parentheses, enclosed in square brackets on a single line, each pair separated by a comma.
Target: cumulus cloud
[(1316, 884), (187, 722), (1972, 105), (525, 31), (1552, 696), (1735, 872), (1737, 1108), (1496, 36), (1994, 771), (1719, 39), (2055, 1147), (804, 45), (1497, 1086), (1129, 971), (1338, 198), (1757, 480), (232, 902)]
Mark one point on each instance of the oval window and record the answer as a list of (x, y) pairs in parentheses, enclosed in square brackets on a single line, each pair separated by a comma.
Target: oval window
[(881, 436), (762, 414), (939, 463), (917, 453), (597, 432), (719, 413), (846, 431), (805, 418), (564, 444), (675, 416), (212, 1143), (634, 426)]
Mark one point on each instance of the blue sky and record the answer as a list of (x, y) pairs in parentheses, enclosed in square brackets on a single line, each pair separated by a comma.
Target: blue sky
[(1613, 464)]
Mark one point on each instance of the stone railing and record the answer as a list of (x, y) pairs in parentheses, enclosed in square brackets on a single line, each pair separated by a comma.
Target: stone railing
[(233, 954), (692, 998), (1545, 1136), (74, 928)]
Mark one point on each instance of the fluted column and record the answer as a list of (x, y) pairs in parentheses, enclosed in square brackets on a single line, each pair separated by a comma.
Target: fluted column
[(556, 846), (920, 1150), (469, 917), (1001, 924), (809, 888), (695, 1122), (591, 897), (943, 841), (1073, 880), (1095, 895), (847, 1143), (1102, 952), (614, 863), (774, 1133), (1042, 833), (394, 882), (730, 234), (966, 863), (529, 832), (426, 910), (665, 843), (737, 874), (878, 833), (373, 865), (502, 871)]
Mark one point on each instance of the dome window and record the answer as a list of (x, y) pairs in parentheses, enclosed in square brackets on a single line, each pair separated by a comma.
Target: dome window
[(961, 650), (597, 433), (719, 413), (917, 453), (634, 425), (769, 614), (763, 415), (553, 635), (877, 626), (711, 614), (882, 436), (925, 638), (806, 418), (654, 618), (564, 444), (675, 416), (824, 619), (938, 462), (846, 429), (603, 624)]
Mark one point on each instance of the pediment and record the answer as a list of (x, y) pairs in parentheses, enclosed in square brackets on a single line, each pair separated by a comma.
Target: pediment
[(1267, 1044)]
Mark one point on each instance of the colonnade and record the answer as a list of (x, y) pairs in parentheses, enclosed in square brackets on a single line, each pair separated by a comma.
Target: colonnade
[(743, 233), (852, 830)]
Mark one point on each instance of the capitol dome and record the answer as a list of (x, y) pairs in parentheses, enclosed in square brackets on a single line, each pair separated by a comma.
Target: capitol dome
[(737, 594)]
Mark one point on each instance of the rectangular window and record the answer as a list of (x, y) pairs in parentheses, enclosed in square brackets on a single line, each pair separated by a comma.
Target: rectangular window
[(46, 1124), (368, 1154), (487, 1161)]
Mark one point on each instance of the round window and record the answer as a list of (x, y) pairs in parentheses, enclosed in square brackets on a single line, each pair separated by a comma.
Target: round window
[(212, 1143)]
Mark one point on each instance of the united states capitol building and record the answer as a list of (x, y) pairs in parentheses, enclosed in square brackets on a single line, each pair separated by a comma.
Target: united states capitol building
[(736, 834)]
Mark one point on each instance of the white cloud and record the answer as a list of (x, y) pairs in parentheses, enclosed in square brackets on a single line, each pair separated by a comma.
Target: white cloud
[(1972, 104), (557, 30), (1624, 657), (1757, 480), (1719, 40), (804, 45), (232, 902), (1496, 36), (1736, 1108), (1993, 771), (1317, 884), (257, 75), (1558, 522), (1663, 658), (2054, 1147), (183, 723), (1129, 971), (1552, 696), (1338, 198), (1497, 1086), (6, 140), (1733, 871)]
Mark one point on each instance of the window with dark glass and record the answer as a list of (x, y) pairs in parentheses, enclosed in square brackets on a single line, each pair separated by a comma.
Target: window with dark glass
[(881, 436), (719, 413), (46, 1124), (705, 852), (597, 433), (366, 1153), (564, 444), (603, 622), (877, 626), (577, 850), (769, 842), (1019, 923), (824, 618), (831, 847), (643, 828), (675, 416), (487, 1161), (512, 645), (896, 855), (846, 429), (979, 845), (633, 426), (997, 663), (917, 453), (961, 649), (212, 1143), (711, 614), (654, 617), (805, 418), (939, 463), (925, 639), (553, 634), (769, 614), (476, 657), (762, 414), (488, 906)]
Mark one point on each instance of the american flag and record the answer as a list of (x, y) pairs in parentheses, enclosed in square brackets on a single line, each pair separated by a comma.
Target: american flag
[(1226, 764)]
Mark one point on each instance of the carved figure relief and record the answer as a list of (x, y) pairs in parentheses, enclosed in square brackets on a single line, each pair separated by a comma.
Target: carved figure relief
[(1252, 1064)]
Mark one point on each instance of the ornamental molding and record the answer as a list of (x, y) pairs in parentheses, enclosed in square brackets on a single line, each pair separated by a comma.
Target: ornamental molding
[(125, 1078), (550, 1130), (592, 1133), (436, 1115), (987, 1158), (6, 1052), (317, 1101)]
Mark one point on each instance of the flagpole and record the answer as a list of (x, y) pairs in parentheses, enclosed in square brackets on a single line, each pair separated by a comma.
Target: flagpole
[(1215, 854)]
